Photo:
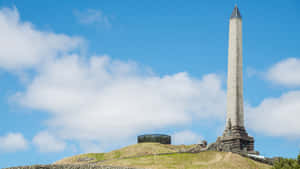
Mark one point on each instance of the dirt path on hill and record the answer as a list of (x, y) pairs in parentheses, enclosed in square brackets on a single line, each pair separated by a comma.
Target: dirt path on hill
[(217, 158)]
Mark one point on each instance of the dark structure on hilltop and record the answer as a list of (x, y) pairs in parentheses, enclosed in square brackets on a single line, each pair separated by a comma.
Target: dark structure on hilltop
[(154, 138), (235, 137)]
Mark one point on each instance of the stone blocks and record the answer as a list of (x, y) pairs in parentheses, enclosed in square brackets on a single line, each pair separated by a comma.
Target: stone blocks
[(234, 140)]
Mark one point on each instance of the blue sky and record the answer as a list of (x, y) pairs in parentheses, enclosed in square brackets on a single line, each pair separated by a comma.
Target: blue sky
[(89, 76)]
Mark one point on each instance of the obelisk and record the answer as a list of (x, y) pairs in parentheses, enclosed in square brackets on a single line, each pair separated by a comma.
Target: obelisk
[(235, 137), (235, 105)]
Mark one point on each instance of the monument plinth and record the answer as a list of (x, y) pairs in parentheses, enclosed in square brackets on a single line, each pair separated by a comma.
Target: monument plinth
[(235, 137)]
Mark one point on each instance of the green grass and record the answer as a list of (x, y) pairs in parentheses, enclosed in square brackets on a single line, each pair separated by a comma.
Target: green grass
[(97, 156), (145, 156), (212, 160), (117, 154), (129, 151)]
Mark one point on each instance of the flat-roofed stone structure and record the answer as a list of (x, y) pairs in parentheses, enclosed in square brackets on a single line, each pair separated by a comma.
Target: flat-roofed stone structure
[(154, 138)]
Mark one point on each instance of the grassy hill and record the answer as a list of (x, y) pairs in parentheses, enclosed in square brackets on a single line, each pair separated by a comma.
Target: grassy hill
[(145, 156)]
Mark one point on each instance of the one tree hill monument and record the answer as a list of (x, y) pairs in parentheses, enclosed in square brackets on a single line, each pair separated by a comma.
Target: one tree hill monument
[(235, 137)]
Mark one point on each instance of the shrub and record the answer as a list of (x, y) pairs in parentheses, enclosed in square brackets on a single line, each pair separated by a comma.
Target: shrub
[(287, 163)]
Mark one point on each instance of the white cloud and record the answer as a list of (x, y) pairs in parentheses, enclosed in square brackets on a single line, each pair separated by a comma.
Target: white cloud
[(91, 147), (186, 137), (23, 46), (13, 142), (103, 99), (47, 142), (285, 72), (92, 16), (250, 72), (277, 116), (96, 99)]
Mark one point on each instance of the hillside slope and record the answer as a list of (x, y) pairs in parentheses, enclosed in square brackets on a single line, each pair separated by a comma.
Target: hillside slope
[(146, 156)]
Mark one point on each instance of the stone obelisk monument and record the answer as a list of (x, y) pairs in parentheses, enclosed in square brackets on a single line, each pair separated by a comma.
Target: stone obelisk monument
[(235, 137)]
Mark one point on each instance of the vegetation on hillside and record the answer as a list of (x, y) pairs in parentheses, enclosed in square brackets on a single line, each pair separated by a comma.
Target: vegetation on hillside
[(129, 151), (203, 160), (148, 155), (287, 163)]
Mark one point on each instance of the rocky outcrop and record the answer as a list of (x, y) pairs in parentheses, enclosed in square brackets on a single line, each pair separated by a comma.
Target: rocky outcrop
[(69, 167)]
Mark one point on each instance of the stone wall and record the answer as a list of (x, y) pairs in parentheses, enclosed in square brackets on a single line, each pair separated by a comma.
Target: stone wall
[(69, 167)]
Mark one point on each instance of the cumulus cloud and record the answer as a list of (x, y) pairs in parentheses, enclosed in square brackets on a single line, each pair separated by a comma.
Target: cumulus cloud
[(47, 142), (285, 72), (23, 46), (277, 116), (104, 99), (92, 16), (186, 137), (91, 147), (98, 99), (13, 142)]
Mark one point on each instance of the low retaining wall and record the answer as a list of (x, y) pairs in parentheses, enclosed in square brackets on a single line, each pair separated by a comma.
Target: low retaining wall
[(68, 167)]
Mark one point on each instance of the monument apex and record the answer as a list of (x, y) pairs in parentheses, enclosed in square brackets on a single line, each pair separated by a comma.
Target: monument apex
[(236, 13)]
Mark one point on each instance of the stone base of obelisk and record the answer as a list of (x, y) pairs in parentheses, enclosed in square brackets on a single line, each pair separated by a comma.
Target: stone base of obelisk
[(235, 140)]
